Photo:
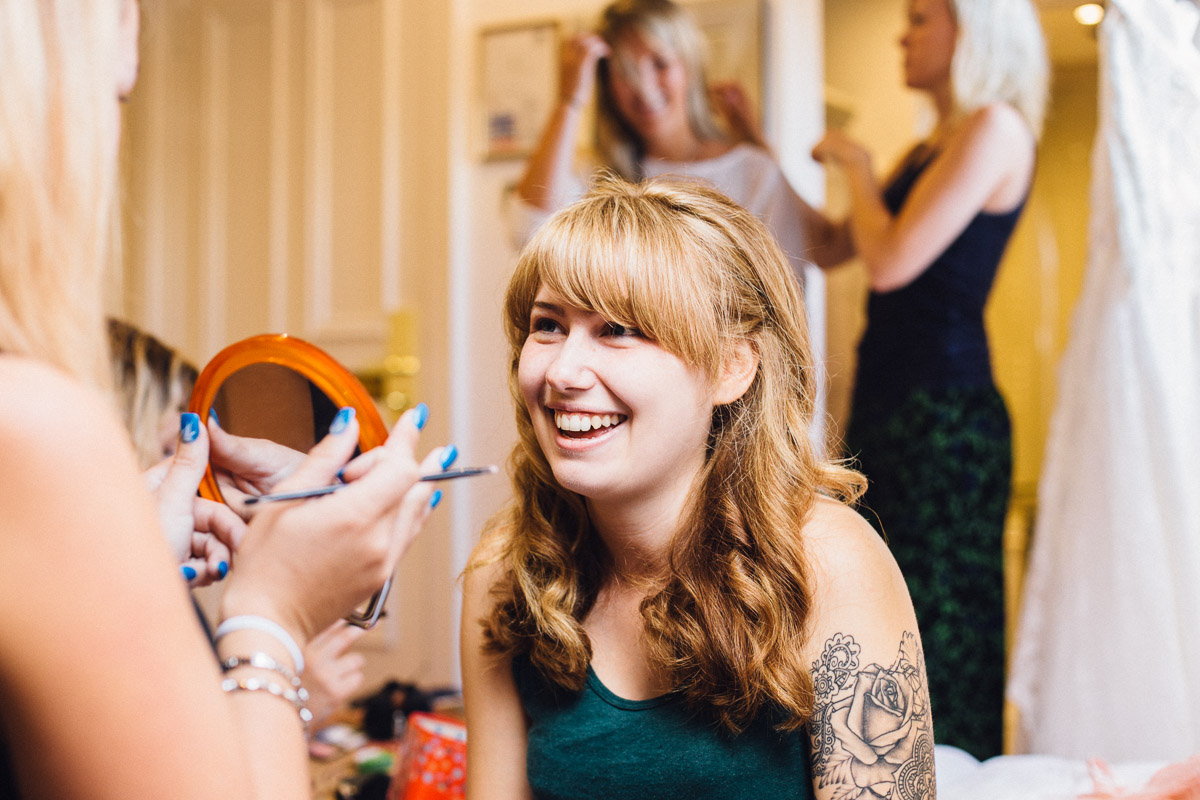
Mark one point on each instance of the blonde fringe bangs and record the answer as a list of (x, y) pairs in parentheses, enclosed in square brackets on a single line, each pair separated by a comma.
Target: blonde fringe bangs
[(727, 619), (632, 263)]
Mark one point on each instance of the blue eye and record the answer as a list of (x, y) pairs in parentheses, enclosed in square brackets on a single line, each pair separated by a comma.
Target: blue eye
[(622, 330), (543, 325)]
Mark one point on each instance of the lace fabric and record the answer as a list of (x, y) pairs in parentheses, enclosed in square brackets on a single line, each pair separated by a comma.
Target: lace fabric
[(1107, 655)]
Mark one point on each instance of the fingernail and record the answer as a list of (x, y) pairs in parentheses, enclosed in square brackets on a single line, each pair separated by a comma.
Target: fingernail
[(342, 420), (188, 572), (449, 453), (420, 415), (437, 498), (341, 475), (189, 428), (213, 418), (222, 570)]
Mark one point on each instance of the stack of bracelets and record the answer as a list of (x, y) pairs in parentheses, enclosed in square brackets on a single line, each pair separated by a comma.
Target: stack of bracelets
[(293, 691)]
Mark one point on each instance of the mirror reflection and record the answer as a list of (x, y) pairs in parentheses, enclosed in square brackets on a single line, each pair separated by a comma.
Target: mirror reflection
[(266, 404), (270, 401)]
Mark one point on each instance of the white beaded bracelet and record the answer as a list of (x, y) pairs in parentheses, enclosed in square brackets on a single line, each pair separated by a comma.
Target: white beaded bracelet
[(259, 685), (254, 622), (260, 660)]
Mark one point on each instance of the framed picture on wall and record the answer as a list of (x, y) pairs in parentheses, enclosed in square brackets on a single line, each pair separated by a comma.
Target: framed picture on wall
[(519, 84)]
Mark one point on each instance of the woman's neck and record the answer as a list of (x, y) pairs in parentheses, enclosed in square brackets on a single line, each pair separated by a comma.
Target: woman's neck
[(638, 531), (684, 147), (943, 104)]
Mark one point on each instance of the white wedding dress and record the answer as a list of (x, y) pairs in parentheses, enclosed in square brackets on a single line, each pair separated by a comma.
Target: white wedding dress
[(1107, 656)]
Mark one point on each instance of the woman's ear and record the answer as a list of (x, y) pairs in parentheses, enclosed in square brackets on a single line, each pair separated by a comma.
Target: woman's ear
[(737, 373)]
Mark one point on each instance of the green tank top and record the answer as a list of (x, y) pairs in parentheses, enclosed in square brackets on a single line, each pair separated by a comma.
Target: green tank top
[(594, 744)]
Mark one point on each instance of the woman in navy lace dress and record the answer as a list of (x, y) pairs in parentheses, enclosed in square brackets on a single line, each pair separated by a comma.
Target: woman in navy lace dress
[(927, 424)]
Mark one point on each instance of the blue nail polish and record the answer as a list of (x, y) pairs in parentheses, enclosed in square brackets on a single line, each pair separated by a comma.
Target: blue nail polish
[(449, 453), (420, 416), (341, 475), (189, 427), (342, 420), (213, 418), (188, 572), (437, 498), (222, 570)]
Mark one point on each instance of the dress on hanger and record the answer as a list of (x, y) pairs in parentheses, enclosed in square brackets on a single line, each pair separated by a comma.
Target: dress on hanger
[(1107, 655)]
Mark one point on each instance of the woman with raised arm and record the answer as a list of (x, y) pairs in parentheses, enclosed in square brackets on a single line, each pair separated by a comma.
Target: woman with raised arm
[(108, 688), (645, 64), (679, 601), (927, 425)]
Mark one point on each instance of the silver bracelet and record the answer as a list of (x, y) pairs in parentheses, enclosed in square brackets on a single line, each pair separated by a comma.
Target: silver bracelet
[(260, 660), (260, 685), (253, 622)]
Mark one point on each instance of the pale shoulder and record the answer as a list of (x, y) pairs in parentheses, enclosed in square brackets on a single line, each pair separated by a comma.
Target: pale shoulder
[(486, 567), (851, 563), (871, 723), (996, 125), (47, 411), (839, 540)]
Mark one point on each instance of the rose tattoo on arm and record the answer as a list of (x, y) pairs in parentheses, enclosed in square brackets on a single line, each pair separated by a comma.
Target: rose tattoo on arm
[(872, 733)]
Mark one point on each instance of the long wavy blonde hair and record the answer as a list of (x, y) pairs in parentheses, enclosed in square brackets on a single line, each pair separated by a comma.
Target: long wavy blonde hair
[(58, 121), (672, 26), (698, 275)]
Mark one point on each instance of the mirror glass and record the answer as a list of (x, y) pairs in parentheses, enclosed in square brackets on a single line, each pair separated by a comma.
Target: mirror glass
[(283, 393), (271, 401)]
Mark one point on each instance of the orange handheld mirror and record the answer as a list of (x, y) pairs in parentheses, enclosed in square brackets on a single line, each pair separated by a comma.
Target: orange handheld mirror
[(285, 390)]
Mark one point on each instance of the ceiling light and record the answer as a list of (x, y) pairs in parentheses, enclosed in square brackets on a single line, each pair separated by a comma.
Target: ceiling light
[(1089, 13)]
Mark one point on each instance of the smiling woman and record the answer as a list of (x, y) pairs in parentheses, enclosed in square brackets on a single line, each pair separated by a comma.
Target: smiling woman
[(672, 605), (645, 64), (650, 410)]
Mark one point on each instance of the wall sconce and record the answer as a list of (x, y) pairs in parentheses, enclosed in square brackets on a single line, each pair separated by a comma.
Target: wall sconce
[(1089, 14)]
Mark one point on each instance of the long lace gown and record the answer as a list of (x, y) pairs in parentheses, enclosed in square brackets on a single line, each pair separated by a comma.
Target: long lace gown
[(1107, 660)]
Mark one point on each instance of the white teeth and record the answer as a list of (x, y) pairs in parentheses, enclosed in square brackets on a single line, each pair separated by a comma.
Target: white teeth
[(585, 422)]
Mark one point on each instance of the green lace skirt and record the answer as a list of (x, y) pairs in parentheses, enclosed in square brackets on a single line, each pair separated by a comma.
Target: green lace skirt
[(939, 466)]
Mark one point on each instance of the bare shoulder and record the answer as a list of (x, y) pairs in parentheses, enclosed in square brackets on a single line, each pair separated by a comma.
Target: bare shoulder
[(847, 554), (486, 565), (996, 130), (72, 497), (46, 416), (486, 568), (61, 439), (996, 118), (871, 728), (32, 388)]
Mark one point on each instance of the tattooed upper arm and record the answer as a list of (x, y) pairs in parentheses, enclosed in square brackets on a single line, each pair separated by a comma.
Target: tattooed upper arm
[(871, 729)]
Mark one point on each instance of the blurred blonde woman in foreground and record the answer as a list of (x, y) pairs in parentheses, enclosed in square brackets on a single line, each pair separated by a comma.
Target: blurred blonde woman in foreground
[(107, 686)]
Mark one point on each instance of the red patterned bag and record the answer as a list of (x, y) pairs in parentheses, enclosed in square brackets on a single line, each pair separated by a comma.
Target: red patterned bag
[(433, 759)]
